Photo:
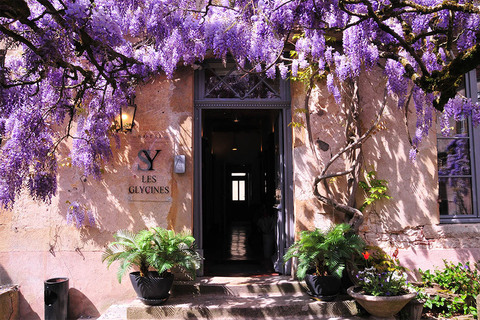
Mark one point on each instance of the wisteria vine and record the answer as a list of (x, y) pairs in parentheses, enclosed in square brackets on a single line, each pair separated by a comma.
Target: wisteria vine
[(71, 64)]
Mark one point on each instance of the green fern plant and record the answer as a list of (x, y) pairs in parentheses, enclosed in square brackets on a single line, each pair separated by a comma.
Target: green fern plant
[(131, 250), (325, 252), (158, 248), (174, 250)]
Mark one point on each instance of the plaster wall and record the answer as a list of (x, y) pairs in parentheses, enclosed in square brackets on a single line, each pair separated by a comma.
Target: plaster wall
[(326, 121), (410, 220), (36, 242)]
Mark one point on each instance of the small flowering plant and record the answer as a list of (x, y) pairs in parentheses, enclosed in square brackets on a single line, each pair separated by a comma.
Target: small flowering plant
[(387, 278)]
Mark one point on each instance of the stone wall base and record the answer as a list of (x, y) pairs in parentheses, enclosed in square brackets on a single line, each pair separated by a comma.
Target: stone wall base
[(9, 302)]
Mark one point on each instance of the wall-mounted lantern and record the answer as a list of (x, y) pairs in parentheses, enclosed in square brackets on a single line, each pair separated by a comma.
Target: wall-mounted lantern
[(125, 120)]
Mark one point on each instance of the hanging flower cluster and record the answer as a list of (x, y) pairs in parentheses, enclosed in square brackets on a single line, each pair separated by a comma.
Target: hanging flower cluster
[(79, 215), (76, 61)]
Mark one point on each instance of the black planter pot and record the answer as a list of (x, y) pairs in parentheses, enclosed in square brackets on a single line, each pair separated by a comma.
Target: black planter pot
[(324, 288), (153, 289)]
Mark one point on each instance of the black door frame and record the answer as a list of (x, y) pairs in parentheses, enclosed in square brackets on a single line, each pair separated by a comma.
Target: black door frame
[(287, 168)]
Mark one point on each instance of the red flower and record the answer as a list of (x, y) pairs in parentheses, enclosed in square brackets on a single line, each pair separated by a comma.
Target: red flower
[(395, 253), (366, 255)]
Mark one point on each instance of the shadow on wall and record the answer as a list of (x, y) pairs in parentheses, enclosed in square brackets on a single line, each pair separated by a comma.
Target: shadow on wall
[(411, 185), (385, 152), (110, 199), (28, 313), (4, 277), (113, 208), (103, 197), (80, 306), (328, 135)]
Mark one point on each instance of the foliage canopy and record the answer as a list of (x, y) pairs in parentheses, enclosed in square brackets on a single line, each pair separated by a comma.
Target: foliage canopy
[(77, 61)]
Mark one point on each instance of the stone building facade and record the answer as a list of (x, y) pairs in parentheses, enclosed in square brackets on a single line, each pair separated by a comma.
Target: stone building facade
[(270, 176)]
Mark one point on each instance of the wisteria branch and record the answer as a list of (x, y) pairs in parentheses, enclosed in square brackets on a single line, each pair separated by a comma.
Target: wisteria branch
[(355, 216)]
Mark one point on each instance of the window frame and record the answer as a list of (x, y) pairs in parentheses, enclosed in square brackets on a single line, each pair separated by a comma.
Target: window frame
[(471, 91), (234, 177)]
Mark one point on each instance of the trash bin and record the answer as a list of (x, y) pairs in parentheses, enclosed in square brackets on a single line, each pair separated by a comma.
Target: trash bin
[(56, 298)]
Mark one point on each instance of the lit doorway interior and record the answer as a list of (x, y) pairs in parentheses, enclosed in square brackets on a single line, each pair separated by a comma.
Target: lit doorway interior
[(242, 185)]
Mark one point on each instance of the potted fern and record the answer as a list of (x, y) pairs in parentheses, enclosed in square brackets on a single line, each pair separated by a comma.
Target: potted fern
[(322, 258), (157, 249)]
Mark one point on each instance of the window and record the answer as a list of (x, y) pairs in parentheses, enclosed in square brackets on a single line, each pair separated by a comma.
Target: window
[(239, 186), (459, 164)]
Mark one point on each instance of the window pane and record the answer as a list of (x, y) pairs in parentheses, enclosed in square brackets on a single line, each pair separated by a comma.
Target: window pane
[(263, 88), (453, 157), (235, 190), (455, 166), (457, 129), (455, 196), (239, 174), (217, 87), (241, 190)]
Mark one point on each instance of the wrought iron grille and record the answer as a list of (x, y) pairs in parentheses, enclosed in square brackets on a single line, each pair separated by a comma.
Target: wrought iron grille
[(219, 81)]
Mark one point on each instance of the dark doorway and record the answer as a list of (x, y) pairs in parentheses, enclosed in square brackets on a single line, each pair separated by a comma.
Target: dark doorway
[(241, 187)]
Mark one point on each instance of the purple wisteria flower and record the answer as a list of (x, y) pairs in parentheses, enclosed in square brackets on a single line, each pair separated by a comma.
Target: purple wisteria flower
[(80, 61), (79, 215)]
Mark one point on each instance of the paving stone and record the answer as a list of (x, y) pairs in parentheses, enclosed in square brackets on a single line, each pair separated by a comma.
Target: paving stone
[(115, 312)]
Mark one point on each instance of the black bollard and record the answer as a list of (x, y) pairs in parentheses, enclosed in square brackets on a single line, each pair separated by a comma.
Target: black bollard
[(56, 298)]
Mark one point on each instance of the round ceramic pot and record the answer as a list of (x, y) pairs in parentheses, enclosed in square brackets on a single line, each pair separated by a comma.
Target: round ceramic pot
[(152, 289), (378, 306), (324, 288)]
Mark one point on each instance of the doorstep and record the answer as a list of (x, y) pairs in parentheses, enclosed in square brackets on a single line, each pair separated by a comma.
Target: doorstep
[(268, 297)]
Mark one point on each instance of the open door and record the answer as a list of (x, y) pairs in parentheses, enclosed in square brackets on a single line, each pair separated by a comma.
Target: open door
[(242, 191), (279, 194)]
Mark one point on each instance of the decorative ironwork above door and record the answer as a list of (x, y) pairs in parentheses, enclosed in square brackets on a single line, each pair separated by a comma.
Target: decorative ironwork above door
[(215, 81)]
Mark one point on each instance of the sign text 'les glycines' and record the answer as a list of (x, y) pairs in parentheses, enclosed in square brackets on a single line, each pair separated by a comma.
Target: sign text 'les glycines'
[(149, 181)]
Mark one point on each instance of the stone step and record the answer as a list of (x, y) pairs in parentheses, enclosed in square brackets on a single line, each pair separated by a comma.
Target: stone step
[(239, 286), (225, 307), (269, 297)]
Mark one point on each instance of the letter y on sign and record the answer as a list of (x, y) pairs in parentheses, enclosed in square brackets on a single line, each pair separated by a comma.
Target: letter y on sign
[(144, 156)]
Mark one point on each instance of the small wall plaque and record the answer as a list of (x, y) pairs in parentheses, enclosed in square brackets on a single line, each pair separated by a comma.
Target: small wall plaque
[(179, 164)]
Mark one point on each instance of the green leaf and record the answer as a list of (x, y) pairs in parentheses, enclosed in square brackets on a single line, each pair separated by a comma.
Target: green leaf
[(159, 248)]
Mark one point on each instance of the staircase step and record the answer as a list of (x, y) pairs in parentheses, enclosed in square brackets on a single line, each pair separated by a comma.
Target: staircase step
[(237, 307), (228, 298), (239, 286), (270, 297)]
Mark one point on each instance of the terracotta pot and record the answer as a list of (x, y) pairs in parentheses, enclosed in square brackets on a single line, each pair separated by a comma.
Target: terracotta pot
[(152, 289), (381, 307)]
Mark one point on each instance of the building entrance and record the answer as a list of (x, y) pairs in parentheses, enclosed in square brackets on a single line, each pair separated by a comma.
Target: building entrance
[(242, 191), (243, 201)]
